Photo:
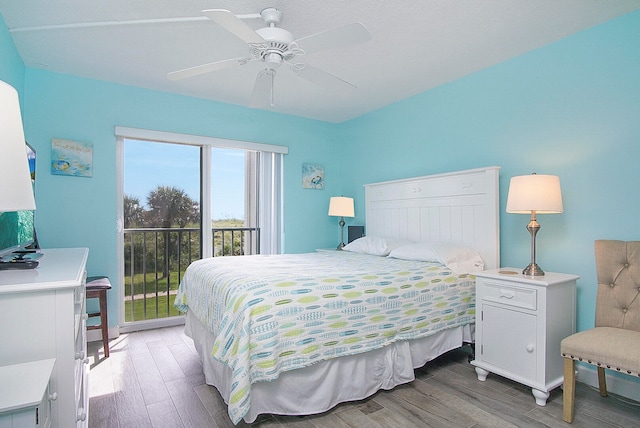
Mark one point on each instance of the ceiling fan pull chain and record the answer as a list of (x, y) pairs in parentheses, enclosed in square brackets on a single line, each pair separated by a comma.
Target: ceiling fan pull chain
[(272, 74)]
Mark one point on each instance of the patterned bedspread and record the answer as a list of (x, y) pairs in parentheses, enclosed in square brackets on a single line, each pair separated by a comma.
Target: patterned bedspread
[(270, 314)]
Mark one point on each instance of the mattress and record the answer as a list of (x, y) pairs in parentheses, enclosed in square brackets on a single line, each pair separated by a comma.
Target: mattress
[(273, 314)]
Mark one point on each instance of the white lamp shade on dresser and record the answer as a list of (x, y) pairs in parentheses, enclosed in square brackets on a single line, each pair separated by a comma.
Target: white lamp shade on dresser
[(16, 191)]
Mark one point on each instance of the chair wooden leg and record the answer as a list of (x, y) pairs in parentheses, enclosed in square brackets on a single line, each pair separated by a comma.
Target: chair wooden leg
[(104, 322), (569, 393), (602, 382)]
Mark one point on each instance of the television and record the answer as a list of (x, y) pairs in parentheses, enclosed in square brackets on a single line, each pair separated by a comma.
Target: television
[(17, 228)]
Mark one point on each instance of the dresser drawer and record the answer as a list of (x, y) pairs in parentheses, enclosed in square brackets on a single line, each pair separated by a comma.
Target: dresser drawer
[(508, 295)]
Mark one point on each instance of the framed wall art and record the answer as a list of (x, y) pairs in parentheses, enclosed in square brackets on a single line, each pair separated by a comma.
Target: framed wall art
[(312, 176), (71, 158)]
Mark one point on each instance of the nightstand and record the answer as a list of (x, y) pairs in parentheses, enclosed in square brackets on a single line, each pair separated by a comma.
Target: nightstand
[(24, 394), (520, 321)]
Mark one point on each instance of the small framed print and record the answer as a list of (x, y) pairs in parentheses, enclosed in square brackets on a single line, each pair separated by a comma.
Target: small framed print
[(71, 158), (312, 176)]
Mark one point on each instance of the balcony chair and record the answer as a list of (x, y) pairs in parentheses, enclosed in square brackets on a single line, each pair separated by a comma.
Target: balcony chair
[(97, 287), (614, 343)]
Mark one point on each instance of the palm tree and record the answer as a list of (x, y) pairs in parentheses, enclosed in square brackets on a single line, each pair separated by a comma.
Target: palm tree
[(170, 207), (133, 213)]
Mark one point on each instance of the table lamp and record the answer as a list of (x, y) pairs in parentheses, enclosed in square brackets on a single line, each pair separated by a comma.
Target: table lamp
[(16, 191), (340, 206), (534, 194)]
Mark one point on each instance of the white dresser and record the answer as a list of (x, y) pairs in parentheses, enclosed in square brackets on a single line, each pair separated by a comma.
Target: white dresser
[(520, 321), (43, 316)]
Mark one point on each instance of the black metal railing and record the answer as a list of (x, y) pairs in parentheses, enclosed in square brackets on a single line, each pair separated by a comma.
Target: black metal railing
[(236, 241), (155, 260)]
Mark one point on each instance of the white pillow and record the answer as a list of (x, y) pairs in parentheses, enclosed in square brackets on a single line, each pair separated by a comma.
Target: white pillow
[(375, 245), (458, 258)]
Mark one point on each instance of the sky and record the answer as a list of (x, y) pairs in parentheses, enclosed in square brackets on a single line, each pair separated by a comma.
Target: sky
[(148, 165)]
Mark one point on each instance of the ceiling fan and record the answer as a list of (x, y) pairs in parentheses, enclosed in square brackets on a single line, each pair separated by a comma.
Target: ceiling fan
[(273, 46)]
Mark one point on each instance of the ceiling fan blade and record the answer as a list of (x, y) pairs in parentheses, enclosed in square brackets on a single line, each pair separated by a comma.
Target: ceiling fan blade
[(204, 68), (262, 95), (342, 36), (324, 79), (234, 25)]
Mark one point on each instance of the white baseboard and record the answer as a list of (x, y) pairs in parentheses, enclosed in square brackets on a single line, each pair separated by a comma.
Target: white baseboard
[(96, 335), (624, 386), (151, 324)]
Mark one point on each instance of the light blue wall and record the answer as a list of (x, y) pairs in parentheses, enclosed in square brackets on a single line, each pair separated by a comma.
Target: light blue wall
[(570, 109), (76, 211)]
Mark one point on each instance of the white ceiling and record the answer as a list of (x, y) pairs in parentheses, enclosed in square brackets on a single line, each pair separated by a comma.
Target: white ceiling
[(416, 44)]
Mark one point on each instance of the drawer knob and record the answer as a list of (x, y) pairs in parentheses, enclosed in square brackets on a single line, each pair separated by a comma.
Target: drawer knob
[(53, 396), (530, 348), (82, 415), (80, 355)]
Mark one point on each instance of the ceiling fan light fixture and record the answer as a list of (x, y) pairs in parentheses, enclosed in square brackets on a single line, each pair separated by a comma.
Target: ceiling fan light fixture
[(273, 59)]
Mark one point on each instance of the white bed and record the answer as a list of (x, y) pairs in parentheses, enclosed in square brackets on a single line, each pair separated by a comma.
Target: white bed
[(459, 208)]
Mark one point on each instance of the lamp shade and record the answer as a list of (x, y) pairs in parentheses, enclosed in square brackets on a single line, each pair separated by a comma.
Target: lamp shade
[(16, 191), (539, 193), (341, 206)]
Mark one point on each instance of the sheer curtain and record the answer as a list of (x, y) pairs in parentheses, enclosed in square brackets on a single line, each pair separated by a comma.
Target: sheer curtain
[(270, 200), (264, 199)]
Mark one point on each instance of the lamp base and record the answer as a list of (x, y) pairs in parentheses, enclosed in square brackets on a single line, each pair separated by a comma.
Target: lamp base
[(341, 223), (533, 270)]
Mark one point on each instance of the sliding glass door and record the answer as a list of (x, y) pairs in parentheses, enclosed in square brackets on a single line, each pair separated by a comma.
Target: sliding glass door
[(162, 224), (184, 201)]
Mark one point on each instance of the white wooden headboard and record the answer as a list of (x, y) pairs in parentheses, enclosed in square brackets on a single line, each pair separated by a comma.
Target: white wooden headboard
[(459, 207)]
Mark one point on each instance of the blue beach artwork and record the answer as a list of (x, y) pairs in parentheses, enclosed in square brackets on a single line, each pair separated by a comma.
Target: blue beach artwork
[(312, 176), (71, 158)]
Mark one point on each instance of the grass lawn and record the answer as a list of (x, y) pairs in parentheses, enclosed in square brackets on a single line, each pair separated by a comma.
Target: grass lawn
[(139, 286), (144, 309), (139, 313)]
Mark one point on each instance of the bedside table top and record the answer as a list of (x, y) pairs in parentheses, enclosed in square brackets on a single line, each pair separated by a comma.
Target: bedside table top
[(515, 275), (24, 384)]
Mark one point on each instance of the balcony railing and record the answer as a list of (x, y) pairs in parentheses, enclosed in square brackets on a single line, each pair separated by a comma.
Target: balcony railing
[(156, 258)]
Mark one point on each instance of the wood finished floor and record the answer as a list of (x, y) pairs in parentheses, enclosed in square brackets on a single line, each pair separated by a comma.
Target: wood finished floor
[(154, 379)]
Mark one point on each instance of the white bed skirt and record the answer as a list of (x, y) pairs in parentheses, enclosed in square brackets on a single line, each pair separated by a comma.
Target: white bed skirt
[(320, 387)]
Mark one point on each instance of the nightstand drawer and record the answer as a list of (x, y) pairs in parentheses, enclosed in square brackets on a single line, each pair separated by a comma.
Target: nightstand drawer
[(507, 295)]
